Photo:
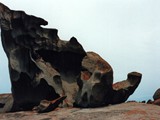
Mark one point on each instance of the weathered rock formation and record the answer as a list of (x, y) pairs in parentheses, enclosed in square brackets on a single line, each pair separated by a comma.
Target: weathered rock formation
[(44, 67)]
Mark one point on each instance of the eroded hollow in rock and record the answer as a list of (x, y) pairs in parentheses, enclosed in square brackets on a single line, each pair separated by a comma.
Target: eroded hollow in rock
[(26, 96), (65, 62), (2, 105)]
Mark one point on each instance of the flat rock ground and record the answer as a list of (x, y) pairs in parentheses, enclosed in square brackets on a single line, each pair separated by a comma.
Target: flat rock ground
[(124, 111)]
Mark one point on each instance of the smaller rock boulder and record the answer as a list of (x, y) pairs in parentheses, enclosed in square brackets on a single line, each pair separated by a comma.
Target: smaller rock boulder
[(156, 102), (156, 94)]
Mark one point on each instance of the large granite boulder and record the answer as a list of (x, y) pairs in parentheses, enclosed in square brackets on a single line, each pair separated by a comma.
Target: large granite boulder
[(43, 67), (95, 83)]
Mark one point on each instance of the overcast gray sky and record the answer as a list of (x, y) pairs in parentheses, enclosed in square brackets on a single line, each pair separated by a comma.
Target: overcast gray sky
[(126, 33)]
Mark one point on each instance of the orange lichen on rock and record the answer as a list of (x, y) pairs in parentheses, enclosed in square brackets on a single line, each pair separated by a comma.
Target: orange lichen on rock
[(85, 75), (136, 111)]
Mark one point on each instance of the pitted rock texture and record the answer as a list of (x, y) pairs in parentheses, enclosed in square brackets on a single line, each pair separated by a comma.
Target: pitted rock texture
[(44, 67)]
